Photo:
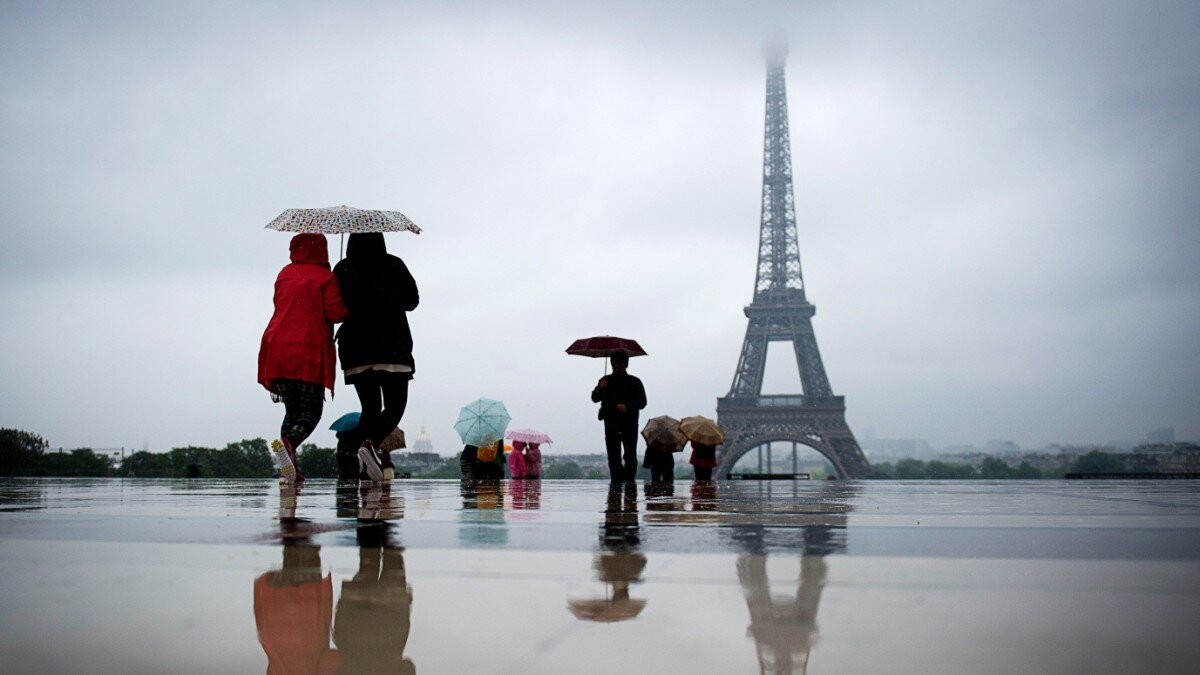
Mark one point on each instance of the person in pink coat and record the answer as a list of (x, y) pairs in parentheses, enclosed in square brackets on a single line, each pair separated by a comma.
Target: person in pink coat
[(516, 461), (533, 460)]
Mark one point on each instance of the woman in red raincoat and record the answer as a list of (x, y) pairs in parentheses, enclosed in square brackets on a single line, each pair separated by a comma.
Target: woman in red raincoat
[(296, 359)]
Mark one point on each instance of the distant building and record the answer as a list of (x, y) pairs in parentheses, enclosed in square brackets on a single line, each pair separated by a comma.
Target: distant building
[(418, 462), (995, 447), (895, 448), (422, 444), (585, 462), (1163, 435)]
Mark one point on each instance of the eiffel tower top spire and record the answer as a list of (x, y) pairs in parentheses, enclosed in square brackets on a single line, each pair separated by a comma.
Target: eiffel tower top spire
[(779, 279)]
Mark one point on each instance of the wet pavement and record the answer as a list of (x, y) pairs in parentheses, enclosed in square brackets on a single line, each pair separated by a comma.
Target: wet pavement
[(568, 576)]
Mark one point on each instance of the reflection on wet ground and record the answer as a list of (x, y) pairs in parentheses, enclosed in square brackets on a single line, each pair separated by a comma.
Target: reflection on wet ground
[(550, 576)]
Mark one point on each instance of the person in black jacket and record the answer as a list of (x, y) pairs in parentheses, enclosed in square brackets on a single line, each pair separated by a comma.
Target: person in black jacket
[(620, 396), (375, 343)]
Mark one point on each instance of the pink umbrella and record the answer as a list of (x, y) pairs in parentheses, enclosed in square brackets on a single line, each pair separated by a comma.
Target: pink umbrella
[(528, 436)]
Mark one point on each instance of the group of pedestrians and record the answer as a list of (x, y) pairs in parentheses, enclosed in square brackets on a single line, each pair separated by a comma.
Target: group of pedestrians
[(369, 292), (622, 397), (488, 462)]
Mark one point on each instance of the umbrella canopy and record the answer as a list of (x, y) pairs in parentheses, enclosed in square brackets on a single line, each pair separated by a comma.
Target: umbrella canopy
[(702, 430), (602, 346), (528, 436), (606, 611), (346, 422), (342, 220), (663, 433), (482, 422), (394, 441)]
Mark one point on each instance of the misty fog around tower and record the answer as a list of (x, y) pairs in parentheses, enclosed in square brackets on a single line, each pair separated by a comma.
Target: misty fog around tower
[(995, 205)]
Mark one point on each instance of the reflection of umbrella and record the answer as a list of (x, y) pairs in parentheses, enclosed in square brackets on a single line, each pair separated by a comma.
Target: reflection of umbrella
[(342, 220), (482, 422), (528, 436), (605, 610), (394, 441), (345, 422), (603, 345), (702, 430), (663, 433)]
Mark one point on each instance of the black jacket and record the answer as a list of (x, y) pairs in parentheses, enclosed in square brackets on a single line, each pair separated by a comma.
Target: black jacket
[(622, 388), (378, 289)]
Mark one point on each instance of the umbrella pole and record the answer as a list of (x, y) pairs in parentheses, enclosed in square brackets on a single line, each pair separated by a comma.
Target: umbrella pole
[(341, 245)]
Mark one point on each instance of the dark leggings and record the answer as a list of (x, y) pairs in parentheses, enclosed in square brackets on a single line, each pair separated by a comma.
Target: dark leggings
[(704, 472), (383, 397), (302, 405)]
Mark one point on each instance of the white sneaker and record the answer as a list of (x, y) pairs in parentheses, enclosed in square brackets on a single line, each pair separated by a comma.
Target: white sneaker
[(287, 470), (371, 462)]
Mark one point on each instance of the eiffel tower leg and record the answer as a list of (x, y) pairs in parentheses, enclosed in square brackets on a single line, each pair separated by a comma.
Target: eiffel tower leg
[(748, 379), (808, 360)]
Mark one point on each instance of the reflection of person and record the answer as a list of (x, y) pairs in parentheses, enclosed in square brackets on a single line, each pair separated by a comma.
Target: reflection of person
[(482, 518), (293, 612), (620, 396), (619, 565), (375, 343), (295, 357), (526, 494), (704, 458), (374, 611)]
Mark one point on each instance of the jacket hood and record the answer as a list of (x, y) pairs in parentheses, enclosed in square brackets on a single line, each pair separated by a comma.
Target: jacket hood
[(310, 248), (365, 244)]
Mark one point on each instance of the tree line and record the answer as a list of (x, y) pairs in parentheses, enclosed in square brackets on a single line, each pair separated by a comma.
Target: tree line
[(26, 454)]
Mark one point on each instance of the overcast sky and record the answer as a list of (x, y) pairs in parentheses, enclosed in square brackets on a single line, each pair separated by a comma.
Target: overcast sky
[(997, 207)]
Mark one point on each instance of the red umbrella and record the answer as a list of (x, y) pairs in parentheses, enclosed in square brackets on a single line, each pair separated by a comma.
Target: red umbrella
[(603, 346)]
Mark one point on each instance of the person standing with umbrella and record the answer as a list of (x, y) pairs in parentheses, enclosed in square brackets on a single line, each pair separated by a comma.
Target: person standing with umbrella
[(295, 357), (375, 342), (620, 396)]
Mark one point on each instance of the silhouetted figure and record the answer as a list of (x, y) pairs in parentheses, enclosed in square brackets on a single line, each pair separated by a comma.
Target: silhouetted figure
[(621, 396), (661, 463), (703, 459), (375, 343)]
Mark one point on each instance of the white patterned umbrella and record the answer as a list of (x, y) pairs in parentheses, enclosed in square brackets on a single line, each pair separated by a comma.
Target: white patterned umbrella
[(342, 220)]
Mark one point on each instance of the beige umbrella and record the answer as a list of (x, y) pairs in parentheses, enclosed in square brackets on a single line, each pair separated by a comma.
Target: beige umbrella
[(604, 610), (701, 430), (663, 433), (394, 441)]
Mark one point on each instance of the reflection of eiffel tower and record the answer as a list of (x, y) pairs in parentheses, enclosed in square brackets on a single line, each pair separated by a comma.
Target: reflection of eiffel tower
[(780, 312), (784, 627)]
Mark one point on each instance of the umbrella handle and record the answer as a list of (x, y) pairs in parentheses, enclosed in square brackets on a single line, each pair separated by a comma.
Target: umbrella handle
[(341, 245)]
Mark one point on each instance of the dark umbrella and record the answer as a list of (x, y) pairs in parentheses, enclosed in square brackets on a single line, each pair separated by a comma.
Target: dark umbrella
[(602, 346)]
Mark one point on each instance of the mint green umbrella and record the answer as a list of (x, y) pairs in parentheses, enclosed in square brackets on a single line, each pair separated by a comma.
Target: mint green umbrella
[(482, 422)]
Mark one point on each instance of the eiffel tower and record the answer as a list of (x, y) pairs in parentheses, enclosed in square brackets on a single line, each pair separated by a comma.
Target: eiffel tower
[(780, 312)]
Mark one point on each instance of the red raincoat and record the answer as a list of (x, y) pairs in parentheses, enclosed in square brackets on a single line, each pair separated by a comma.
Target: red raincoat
[(298, 342)]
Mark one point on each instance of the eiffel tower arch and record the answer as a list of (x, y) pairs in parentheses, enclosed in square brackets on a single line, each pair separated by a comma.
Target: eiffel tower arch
[(780, 312)]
